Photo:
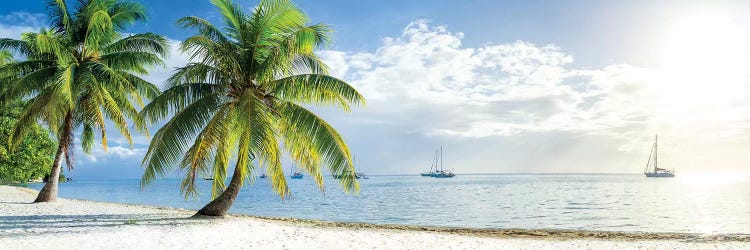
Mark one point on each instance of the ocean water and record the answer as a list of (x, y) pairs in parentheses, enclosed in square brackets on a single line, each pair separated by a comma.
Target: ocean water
[(696, 204)]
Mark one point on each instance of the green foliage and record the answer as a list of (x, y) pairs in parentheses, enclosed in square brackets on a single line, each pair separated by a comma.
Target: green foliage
[(243, 98), (82, 72), (32, 158)]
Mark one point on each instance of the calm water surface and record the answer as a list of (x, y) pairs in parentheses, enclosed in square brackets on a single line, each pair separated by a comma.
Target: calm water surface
[(589, 202)]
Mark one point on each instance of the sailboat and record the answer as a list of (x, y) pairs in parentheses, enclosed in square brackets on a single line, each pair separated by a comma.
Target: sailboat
[(438, 173), (442, 173), (296, 174), (656, 171), (357, 175)]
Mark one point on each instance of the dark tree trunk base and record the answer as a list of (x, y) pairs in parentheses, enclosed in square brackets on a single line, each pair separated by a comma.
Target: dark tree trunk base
[(203, 216), (219, 206), (46, 194)]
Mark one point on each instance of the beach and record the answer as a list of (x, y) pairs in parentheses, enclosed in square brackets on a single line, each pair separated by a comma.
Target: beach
[(81, 224)]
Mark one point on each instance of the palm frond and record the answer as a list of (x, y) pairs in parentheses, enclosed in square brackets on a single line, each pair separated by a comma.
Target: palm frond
[(146, 42), (58, 15), (302, 127), (316, 89), (170, 142), (177, 98)]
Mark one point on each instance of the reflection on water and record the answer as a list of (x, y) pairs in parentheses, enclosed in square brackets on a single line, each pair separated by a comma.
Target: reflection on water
[(590, 202)]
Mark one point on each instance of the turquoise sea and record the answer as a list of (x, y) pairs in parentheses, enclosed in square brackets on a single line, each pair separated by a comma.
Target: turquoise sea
[(612, 202)]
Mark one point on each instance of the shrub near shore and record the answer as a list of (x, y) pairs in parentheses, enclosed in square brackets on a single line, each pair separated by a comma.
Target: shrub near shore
[(32, 159)]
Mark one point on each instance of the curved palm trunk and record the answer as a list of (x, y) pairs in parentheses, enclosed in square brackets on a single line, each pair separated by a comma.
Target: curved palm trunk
[(49, 191), (220, 205)]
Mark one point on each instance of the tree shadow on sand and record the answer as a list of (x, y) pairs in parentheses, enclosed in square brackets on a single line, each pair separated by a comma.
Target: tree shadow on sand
[(45, 224), (15, 203)]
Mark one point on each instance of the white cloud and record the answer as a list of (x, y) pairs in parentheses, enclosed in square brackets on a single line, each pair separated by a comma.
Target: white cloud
[(114, 150), (24, 19), (496, 89), (14, 24), (123, 152)]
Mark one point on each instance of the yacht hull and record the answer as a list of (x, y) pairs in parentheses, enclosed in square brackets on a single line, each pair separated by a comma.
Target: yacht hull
[(443, 176), (659, 174)]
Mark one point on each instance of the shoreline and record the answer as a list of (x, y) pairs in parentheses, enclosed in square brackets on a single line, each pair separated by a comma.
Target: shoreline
[(27, 222), (562, 234)]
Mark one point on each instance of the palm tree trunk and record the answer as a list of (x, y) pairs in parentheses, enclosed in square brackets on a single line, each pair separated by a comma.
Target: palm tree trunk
[(49, 191), (220, 205)]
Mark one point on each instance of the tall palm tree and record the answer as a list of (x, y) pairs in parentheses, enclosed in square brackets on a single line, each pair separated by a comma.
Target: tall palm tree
[(241, 100), (80, 73)]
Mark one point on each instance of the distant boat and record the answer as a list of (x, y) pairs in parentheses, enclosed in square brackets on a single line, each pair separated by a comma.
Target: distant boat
[(262, 176), (357, 175), (656, 171), (296, 174), (438, 173)]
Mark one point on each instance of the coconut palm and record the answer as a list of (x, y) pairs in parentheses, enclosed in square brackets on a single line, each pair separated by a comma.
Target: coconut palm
[(80, 73), (241, 100)]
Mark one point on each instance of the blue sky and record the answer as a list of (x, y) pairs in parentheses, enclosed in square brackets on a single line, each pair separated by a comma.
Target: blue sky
[(510, 86)]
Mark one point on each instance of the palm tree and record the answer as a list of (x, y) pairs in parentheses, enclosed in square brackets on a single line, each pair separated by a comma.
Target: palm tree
[(80, 73), (241, 99)]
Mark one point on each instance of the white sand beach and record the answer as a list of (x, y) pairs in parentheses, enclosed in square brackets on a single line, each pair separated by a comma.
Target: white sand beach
[(78, 224)]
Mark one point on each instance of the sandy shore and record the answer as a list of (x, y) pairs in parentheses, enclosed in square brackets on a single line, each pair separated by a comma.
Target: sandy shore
[(79, 224)]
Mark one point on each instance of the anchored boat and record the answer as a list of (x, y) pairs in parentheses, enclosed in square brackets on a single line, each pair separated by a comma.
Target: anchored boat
[(296, 174), (656, 171), (438, 173), (357, 175)]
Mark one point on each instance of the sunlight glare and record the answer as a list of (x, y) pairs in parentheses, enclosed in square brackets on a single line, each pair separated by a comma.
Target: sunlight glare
[(705, 61)]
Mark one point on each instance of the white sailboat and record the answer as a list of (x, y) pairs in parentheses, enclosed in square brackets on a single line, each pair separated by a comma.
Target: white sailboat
[(434, 171), (442, 173), (656, 171)]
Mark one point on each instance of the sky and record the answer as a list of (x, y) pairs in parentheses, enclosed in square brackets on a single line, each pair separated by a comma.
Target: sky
[(507, 86)]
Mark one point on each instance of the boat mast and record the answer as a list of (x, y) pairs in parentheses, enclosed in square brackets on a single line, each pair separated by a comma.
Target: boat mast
[(436, 159), (656, 152), (432, 163), (441, 158), (650, 156)]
